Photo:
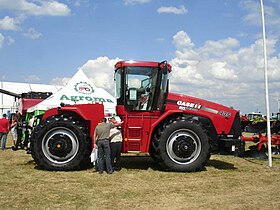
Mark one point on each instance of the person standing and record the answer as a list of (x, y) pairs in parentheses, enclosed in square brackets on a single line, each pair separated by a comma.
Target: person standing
[(14, 130), (101, 141), (4, 130), (19, 130), (115, 146)]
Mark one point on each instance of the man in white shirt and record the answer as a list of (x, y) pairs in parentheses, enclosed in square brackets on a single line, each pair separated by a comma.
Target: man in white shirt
[(115, 145)]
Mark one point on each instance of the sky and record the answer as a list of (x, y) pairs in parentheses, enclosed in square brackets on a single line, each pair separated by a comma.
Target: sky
[(215, 47)]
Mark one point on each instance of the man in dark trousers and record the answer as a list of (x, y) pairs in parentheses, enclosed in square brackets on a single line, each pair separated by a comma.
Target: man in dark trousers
[(101, 141), (115, 145), (19, 131)]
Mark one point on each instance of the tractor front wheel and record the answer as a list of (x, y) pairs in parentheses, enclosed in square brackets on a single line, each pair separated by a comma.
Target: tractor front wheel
[(59, 143)]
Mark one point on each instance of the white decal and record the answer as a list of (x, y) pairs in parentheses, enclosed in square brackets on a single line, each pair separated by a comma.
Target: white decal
[(188, 105), (225, 114)]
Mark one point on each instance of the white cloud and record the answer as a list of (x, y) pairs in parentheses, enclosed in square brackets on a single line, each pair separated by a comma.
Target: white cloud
[(32, 34), (182, 41), (224, 72), (133, 2), (37, 7), (1, 40), (60, 81), (184, 46), (218, 48), (10, 40), (175, 10), (160, 39), (78, 3), (8, 23), (31, 78), (101, 72), (25, 8), (253, 17), (220, 71)]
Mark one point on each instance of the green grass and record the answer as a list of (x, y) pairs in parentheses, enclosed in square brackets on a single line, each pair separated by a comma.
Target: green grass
[(226, 183)]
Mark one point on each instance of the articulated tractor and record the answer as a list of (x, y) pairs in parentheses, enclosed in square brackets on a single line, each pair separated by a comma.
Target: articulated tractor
[(179, 132)]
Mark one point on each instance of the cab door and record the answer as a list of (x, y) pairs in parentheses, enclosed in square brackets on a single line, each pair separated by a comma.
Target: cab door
[(136, 132)]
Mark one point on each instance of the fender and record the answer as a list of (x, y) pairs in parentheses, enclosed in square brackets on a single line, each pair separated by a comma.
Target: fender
[(91, 113)]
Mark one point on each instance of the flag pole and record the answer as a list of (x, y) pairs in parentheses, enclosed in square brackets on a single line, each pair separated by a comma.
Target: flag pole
[(266, 89)]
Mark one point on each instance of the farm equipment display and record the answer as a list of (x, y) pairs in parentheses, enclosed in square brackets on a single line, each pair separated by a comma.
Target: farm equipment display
[(261, 139), (179, 132), (27, 100), (258, 134), (252, 122)]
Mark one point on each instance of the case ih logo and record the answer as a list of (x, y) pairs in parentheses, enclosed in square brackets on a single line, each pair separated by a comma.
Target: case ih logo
[(83, 87), (188, 105)]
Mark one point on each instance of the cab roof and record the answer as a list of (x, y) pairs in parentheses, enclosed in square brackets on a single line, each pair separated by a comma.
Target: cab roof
[(140, 64)]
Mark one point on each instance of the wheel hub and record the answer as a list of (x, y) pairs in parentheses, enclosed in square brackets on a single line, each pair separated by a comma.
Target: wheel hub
[(60, 145), (183, 146)]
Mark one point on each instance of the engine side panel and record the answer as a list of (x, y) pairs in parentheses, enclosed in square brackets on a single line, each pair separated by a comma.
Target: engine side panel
[(221, 116)]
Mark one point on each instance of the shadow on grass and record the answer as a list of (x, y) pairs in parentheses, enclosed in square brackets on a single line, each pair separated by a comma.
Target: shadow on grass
[(146, 162), (30, 162), (221, 165), (139, 162)]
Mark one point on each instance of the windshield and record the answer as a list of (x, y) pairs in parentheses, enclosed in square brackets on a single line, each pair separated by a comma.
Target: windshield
[(140, 85), (141, 88)]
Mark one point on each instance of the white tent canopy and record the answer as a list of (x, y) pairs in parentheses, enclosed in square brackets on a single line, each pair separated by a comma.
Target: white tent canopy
[(79, 90)]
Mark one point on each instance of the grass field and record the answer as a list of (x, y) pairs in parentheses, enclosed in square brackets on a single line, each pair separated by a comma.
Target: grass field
[(226, 183)]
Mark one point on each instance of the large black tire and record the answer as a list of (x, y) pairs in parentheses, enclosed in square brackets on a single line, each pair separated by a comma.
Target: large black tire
[(181, 145), (60, 143)]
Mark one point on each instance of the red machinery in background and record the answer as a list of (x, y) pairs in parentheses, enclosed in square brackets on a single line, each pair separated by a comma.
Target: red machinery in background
[(27, 100), (260, 137)]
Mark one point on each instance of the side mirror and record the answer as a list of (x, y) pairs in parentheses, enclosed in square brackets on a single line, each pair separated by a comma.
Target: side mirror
[(164, 67)]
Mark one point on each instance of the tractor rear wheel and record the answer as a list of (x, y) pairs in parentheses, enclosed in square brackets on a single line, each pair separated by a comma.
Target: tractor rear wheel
[(60, 143), (181, 145)]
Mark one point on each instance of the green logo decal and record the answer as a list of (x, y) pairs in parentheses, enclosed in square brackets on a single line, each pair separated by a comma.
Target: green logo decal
[(85, 98), (83, 87)]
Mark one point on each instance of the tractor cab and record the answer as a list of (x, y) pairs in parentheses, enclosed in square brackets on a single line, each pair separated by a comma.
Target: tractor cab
[(141, 86)]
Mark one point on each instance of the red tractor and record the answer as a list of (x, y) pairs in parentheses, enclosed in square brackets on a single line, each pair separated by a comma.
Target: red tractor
[(179, 132)]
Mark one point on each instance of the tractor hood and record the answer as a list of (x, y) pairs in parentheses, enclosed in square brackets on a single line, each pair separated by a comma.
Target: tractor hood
[(217, 113), (197, 105)]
